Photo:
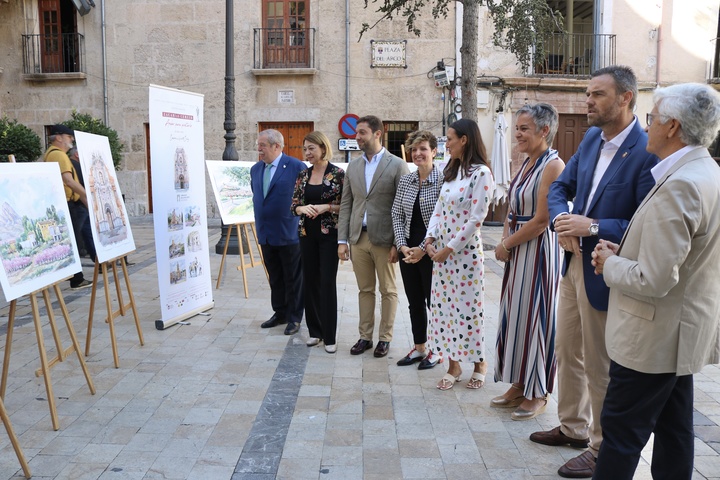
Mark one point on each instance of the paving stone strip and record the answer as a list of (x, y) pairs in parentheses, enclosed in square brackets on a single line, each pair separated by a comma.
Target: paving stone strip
[(263, 449)]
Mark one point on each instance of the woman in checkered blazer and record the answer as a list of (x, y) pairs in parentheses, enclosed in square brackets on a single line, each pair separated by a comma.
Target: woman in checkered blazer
[(414, 202)]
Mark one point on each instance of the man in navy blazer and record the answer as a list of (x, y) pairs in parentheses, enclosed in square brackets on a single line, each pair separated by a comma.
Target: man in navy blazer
[(272, 181), (606, 180)]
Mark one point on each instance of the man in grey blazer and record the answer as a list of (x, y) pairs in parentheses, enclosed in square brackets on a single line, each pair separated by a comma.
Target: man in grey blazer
[(366, 223), (663, 322)]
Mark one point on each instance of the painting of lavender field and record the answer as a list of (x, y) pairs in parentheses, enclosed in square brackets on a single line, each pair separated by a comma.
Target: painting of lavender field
[(37, 246)]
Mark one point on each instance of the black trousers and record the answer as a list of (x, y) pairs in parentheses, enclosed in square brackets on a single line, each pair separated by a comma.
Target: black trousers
[(320, 265), (417, 279), (636, 405), (285, 271), (80, 218)]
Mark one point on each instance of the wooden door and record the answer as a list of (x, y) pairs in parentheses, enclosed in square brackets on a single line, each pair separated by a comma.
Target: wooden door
[(50, 36), (293, 133), (571, 131), (285, 42)]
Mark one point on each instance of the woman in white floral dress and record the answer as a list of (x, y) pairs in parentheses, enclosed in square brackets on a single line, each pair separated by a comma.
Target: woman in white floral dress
[(456, 329)]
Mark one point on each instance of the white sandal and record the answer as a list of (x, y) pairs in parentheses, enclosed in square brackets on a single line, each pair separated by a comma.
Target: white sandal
[(447, 382), (477, 380)]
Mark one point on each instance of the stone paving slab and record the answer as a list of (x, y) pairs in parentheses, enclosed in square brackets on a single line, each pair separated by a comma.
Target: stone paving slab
[(222, 399)]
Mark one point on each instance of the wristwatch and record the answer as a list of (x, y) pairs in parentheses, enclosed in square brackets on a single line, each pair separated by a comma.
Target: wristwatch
[(594, 228)]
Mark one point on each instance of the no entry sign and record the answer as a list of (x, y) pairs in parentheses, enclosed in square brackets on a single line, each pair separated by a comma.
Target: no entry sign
[(347, 125)]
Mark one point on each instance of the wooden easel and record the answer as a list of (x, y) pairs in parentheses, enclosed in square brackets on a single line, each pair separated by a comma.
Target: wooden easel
[(14, 440), (111, 315), (242, 265), (45, 365)]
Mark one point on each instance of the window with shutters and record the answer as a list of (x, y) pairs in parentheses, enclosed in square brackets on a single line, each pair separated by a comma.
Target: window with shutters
[(285, 39), (59, 47)]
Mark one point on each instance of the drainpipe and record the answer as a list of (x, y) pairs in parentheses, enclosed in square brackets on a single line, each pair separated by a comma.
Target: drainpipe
[(104, 63), (657, 62), (347, 65)]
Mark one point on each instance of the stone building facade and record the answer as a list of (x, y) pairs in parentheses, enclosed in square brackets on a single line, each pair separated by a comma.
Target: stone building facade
[(300, 66)]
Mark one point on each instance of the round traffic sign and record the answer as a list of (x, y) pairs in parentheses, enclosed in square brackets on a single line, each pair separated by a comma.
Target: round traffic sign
[(347, 125)]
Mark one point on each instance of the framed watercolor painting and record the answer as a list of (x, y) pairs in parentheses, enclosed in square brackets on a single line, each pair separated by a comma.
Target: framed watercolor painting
[(108, 216), (37, 245)]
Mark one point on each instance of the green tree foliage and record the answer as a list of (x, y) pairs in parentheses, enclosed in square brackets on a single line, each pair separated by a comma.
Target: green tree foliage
[(521, 26), (18, 140), (240, 174), (87, 123)]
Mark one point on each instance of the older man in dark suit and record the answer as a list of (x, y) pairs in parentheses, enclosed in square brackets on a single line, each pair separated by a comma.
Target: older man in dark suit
[(663, 318), (272, 180)]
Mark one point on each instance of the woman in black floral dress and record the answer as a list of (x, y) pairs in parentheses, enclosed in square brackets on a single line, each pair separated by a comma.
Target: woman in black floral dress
[(317, 201)]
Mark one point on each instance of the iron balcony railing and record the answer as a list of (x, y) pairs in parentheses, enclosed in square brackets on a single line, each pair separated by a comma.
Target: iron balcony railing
[(60, 53), (576, 55), (284, 48)]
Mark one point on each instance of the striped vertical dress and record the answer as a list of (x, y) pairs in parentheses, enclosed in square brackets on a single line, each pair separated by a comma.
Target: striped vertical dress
[(525, 347)]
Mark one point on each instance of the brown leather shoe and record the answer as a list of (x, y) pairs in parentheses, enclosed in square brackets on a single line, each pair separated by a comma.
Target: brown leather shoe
[(382, 349), (582, 466), (361, 346), (555, 438)]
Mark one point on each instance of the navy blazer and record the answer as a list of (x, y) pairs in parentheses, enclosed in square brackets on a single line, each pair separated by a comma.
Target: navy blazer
[(274, 223), (621, 190)]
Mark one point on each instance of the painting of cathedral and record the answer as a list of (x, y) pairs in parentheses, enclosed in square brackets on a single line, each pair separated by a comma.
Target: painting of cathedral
[(108, 215), (182, 182), (109, 219)]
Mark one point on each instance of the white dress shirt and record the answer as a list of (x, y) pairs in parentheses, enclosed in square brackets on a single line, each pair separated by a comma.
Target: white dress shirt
[(665, 164), (370, 169), (607, 152)]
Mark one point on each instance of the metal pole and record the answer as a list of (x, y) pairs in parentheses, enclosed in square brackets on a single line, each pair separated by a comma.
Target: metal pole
[(230, 152), (347, 66)]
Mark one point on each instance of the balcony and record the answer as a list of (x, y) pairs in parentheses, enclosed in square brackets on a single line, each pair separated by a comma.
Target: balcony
[(576, 55), (53, 57), (280, 51)]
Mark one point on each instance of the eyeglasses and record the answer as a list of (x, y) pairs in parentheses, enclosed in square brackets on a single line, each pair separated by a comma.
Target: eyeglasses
[(649, 118)]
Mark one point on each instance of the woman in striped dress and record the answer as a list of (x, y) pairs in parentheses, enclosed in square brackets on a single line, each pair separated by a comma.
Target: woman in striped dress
[(525, 348)]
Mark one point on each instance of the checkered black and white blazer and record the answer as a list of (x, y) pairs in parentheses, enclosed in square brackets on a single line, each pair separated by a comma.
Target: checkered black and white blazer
[(407, 192)]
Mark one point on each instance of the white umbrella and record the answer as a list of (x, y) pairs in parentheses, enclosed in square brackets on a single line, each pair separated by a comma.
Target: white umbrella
[(500, 161)]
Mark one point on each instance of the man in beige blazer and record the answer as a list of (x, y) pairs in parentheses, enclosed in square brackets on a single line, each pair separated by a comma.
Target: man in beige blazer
[(663, 322), (365, 223)]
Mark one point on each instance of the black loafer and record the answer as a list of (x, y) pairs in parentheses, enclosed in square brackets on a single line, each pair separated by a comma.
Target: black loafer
[(382, 349), (361, 346), (274, 321), (292, 328)]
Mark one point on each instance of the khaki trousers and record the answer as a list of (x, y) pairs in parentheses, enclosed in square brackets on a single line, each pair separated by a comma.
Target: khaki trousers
[(583, 362), (368, 261)]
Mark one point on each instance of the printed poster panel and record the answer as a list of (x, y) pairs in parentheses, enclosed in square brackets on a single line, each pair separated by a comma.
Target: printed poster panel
[(37, 245), (231, 186), (177, 150), (108, 218)]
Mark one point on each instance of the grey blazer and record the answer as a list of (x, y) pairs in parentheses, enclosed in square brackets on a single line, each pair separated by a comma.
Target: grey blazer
[(664, 305), (378, 200)]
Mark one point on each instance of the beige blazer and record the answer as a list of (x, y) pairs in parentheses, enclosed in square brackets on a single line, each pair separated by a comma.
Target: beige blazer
[(664, 311), (378, 200)]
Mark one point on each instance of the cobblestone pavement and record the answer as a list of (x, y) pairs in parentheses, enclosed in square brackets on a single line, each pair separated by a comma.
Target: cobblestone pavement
[(221, 398)]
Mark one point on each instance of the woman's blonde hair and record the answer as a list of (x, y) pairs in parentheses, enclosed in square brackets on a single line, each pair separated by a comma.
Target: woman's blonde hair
[(319, 138)]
